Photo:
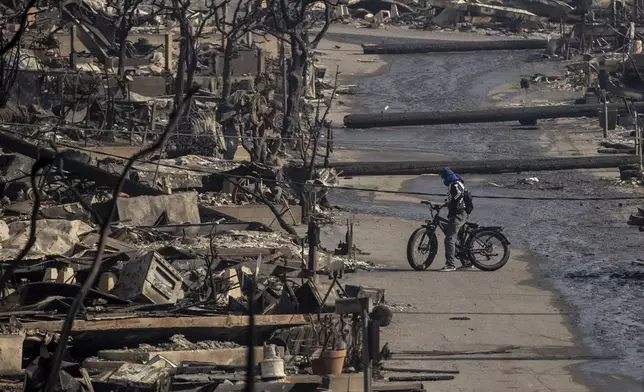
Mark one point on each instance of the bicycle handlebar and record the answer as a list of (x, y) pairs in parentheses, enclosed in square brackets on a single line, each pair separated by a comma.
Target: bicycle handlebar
[(431, 205)]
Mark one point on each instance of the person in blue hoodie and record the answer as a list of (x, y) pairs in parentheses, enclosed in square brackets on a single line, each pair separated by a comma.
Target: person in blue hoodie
[(456, 214)]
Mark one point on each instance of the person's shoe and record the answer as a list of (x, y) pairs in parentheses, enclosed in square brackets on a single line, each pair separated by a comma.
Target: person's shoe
[(465, 267), (448, 268)]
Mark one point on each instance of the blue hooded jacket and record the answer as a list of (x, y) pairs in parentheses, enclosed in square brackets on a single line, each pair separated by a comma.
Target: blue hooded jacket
[(449, 176), (455, 201)]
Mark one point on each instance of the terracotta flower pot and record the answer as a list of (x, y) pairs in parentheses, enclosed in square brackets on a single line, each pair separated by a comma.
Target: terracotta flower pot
[(329, 362)]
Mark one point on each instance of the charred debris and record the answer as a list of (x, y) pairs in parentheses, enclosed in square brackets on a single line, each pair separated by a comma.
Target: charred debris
[(197, 264), (179, 276), (161, 233), (170, 307), (599, 44)]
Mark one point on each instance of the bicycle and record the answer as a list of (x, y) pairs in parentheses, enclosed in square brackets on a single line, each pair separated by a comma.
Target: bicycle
[(473, 240)]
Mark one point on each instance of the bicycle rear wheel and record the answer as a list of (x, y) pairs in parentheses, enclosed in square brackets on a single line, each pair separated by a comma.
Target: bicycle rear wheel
[(488, 250), (421, 249)]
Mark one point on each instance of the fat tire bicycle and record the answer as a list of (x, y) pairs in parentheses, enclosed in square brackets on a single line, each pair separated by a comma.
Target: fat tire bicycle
[(473, 244)]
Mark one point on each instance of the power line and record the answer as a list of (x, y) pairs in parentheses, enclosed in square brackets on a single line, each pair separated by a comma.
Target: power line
[(494, 197), (365, 144), (415, 143), (374, 142), (200, 135), (360, 189), (411, 149)]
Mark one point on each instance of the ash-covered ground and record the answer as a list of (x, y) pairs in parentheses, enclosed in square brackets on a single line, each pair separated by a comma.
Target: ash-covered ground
[(584, 250)]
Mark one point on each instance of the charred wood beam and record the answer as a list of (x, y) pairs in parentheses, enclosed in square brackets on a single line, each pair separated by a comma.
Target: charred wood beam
[(172, 322), (115, 332), (523, 114), (10, 143), (481, 167), (428, 371), (454, 46)]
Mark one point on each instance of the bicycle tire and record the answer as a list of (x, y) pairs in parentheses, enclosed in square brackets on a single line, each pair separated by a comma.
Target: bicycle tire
[(504, 243), (411, 244)]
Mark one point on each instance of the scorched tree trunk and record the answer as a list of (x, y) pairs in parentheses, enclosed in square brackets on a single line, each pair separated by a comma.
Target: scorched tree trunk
[(226, 72), (295, 78)]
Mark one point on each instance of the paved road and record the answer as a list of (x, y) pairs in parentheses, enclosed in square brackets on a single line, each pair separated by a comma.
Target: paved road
[(470, 311), (581, 249)]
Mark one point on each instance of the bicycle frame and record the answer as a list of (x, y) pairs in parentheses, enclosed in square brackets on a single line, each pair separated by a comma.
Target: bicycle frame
[(441, 222)]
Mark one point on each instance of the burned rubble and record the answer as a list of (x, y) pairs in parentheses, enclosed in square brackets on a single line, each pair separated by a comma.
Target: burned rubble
[(598, 45), (173, 293), (206, 279), (177, 279), (185, 275)]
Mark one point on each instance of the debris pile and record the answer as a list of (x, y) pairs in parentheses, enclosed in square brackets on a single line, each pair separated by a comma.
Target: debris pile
[(484, 17), (172, 296), (191, 247)]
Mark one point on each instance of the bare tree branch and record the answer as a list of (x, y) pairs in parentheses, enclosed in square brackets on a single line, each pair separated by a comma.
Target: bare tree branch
[(259, 195), (327, 23), (247, 16), (95, 269), (295, 19), (21, 31)]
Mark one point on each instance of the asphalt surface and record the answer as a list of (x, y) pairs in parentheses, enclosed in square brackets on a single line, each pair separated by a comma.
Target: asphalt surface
[(584, 250)]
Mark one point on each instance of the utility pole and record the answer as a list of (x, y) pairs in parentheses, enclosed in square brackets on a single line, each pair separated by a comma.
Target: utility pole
[(284, 81), (638, 140), (329, 132), (72, 47), (313, 235), (613, 6), (366, 358), (605, 118)]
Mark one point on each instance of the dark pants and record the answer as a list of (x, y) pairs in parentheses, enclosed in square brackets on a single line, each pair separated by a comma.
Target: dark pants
[(451, 233)]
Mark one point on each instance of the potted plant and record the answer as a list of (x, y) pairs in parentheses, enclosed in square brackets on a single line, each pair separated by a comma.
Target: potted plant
[(329, 359)]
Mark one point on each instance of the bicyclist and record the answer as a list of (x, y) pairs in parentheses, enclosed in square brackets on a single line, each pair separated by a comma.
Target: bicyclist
[(457, 215)]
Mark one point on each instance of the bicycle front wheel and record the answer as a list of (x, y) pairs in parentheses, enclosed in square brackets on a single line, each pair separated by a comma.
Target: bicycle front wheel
[(488, 250), (421, 249)]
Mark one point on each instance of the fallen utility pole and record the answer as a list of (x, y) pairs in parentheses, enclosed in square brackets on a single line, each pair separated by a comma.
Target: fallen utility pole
[(481, 167), (99, 176), (523, 114), (454, 46), (512, 358), (428, 371), (421, 378)]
